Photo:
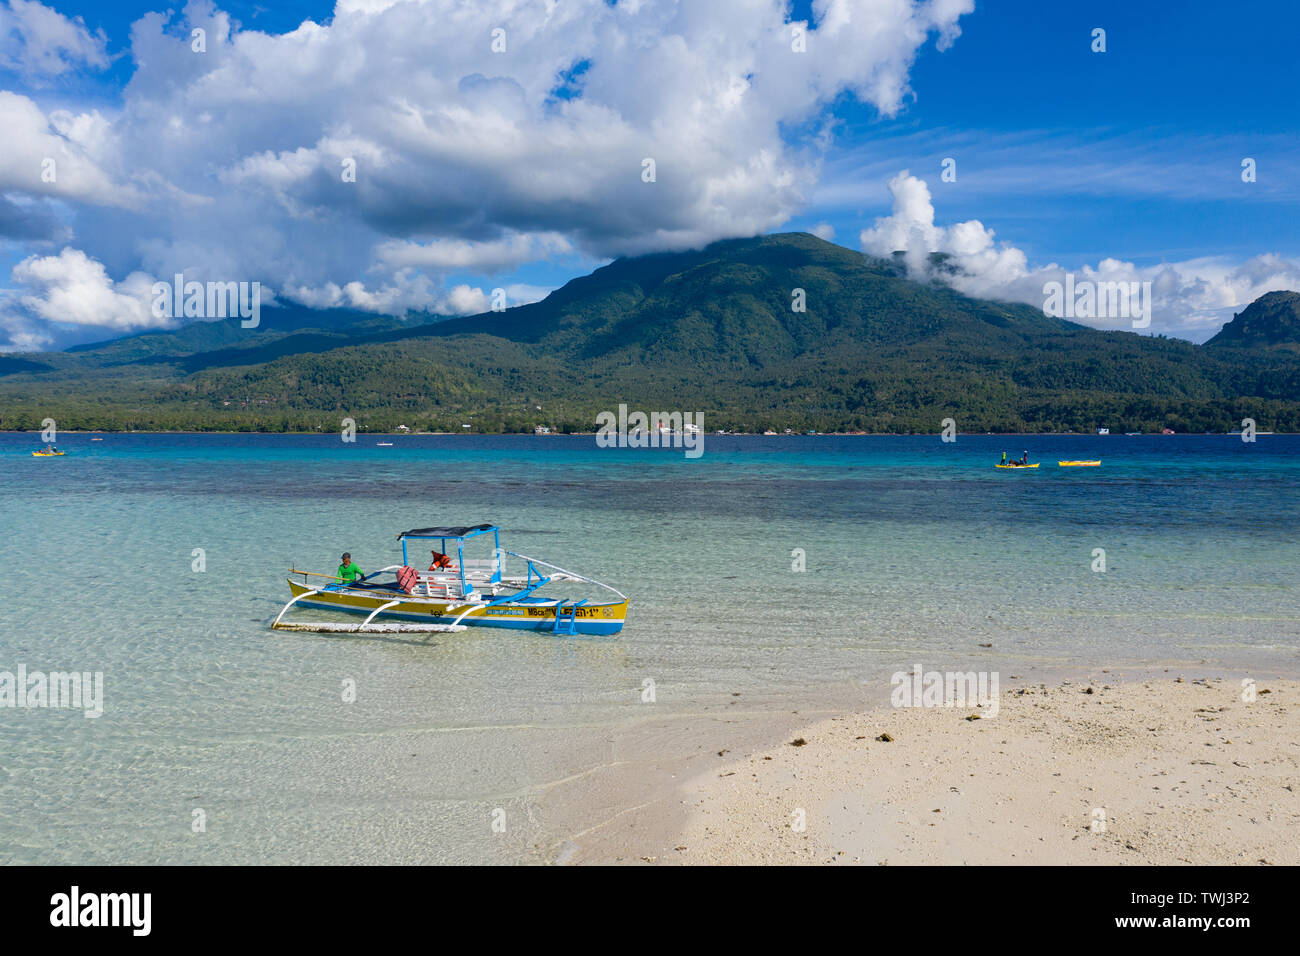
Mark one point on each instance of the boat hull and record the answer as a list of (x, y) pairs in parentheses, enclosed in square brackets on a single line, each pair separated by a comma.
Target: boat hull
[(595, 619), (1016, 467)]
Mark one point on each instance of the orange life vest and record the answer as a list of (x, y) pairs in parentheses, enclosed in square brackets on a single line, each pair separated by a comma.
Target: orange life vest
[(407, 578)]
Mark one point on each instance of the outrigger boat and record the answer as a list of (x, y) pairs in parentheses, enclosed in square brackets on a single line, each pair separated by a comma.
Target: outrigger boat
[(469, 592)]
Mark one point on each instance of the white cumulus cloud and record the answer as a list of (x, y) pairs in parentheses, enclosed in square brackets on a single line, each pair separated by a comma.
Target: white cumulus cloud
[(59, 155), (38, 42), (488, 256), (372, 159), (1191, 298), (72, 289)]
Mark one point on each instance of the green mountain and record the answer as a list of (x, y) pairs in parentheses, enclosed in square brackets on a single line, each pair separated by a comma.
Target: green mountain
[(230, 337), (718, 331), (1272, 319)]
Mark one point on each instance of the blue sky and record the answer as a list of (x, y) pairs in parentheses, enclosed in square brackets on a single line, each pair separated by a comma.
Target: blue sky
[(1181, 95), (1126, 163)]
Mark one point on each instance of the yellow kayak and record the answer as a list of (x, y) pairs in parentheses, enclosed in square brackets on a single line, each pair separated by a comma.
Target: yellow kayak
[(1034, 465), (48, 454), (1078, 464)]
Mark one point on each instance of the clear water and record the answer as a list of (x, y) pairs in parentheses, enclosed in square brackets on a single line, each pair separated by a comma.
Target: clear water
[(916, 552)]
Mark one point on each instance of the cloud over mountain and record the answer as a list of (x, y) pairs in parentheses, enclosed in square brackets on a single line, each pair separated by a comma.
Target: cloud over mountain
[(1192, 298), (401, 144)]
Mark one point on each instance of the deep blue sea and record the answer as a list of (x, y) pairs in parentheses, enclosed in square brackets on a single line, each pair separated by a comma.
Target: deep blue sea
[(915, 551)]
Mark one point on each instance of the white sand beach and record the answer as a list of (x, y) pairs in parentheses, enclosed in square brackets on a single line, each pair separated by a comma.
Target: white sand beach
[(1100, 771)]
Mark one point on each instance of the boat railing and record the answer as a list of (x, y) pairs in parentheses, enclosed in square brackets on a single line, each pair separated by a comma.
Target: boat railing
[(445, 583), (560, 573)]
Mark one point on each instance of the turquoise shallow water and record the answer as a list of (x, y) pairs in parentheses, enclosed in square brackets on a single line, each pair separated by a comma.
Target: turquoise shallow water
[(916, 551)]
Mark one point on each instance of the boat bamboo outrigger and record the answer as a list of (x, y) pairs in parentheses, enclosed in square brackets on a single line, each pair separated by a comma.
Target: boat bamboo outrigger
[(469, 592)]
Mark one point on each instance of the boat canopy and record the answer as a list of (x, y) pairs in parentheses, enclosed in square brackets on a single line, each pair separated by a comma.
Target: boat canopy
[(465, 532)]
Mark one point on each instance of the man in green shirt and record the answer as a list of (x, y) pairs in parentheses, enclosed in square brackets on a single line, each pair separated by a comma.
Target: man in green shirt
[(348, 571)]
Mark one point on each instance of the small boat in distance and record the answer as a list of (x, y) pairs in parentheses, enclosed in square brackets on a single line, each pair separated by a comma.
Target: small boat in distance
[(1013, 467), (464, 592), (1079, 464), (49, 451), (384, 444)]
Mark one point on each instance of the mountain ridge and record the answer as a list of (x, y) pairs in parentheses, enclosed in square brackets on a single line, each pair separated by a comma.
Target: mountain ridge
[(716, 329), (1271, 320)]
